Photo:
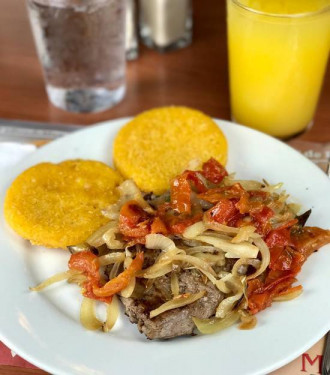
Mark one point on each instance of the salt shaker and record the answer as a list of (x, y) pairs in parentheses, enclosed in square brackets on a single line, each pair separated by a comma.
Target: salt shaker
[(165, 24), (131, 36)]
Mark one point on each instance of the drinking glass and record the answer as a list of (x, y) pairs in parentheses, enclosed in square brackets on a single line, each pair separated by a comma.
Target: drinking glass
[(81, 46), (278, 53)]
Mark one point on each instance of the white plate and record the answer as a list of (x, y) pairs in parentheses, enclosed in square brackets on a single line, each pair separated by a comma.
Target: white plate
[(44, 328)]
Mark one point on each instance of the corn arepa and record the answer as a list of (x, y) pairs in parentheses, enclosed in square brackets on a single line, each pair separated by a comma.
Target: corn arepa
[(57, 205), (158, 144)]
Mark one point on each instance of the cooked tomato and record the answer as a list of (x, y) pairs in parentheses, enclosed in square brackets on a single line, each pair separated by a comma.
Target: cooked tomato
[(87, 263), (133, 220), (260, 295), (247, 204), (222, 212), (308, 239), (194, 178), (158, 226), (261, 220), (122, 280), (226, 192), (178, 224), (180, 195), (258, 302), (278, 238), (214, 171)]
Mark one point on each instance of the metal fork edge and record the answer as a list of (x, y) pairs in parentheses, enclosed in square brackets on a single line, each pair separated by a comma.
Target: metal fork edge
[(326, 357)]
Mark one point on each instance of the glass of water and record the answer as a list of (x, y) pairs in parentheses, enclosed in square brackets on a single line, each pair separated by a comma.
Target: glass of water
[(81, 46)]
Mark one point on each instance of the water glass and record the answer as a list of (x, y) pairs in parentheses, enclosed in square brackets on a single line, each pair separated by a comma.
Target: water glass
[(81, 46)]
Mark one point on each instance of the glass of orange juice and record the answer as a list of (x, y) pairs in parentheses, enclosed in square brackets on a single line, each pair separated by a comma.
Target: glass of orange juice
[(278, 52)]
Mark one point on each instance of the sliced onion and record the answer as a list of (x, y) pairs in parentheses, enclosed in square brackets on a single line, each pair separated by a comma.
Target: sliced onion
[(78, 248), (244, 261), (96, 239), (198, 263), (201, 265), (55, 279), (219, 227), (212, 325), (110, 240), (111, 212), (288, 296), (240, 250), (178, 301), (156, 270), (212, 259), (111, 258), (272, 188), (128, 261), (295, 207), (265, 257), (226, 305), (128, 191), (166, 257), (159, 241), (248, 321), (78, 279), (245, 233), (246, 184), (223, 273), (87, 315), (201, 249), (222, 283), (191, 243), (114, 270), (222, 236), (112, 314), (194, 230), (128, 291), (283, 197), (175, 284)]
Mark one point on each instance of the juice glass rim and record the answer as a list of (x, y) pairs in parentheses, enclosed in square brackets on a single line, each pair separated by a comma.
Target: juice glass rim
[(323, 10)]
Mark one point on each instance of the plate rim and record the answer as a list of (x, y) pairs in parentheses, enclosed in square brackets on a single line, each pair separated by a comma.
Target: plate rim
[(32, 358)]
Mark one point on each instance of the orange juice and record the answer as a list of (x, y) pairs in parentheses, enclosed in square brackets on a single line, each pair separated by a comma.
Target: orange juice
[(278, 51)]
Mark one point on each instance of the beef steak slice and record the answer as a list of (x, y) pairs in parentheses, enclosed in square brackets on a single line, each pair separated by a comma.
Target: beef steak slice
[(176, 322)]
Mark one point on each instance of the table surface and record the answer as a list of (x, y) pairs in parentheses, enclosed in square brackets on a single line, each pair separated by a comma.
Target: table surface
[(196, 76)]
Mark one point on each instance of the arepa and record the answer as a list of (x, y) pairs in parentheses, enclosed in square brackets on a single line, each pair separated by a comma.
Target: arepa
[(158, 144), (57, 205)]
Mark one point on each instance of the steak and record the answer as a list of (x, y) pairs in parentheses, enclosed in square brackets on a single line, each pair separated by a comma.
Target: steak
[(176, 322)]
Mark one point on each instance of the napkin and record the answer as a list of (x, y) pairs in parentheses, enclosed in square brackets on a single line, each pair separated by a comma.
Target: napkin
[(308, 363)]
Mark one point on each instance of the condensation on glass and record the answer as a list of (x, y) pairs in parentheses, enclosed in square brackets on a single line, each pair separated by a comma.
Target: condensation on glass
[(81, 46)]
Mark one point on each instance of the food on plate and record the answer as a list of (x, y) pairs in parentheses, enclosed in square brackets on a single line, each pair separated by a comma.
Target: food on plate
[(158, 144), (57, 205), (211, 251)]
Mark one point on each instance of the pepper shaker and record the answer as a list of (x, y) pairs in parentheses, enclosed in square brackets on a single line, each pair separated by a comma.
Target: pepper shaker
[(165, 24)]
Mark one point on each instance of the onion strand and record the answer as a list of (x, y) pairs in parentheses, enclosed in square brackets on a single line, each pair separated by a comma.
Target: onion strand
[(178, 301)]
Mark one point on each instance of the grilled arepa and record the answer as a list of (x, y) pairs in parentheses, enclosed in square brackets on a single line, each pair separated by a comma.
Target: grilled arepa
[(158, 144), (57, 205)]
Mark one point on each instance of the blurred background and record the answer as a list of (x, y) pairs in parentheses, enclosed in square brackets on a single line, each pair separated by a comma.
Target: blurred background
[(195, 76)]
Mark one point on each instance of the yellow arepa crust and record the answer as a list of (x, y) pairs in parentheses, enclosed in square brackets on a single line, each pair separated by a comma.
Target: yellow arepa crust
[(57, 205), (158, 144)]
